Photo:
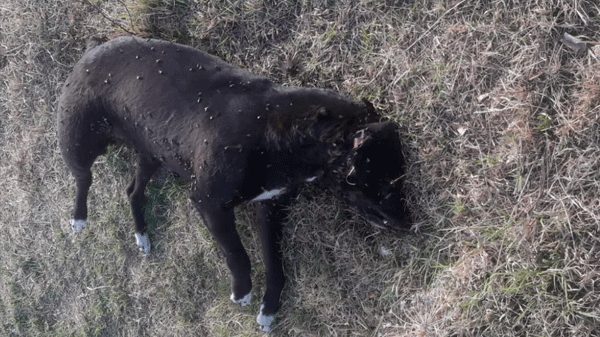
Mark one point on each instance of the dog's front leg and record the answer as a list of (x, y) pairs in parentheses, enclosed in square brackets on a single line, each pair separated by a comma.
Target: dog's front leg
[(271, 214), (220, 221)]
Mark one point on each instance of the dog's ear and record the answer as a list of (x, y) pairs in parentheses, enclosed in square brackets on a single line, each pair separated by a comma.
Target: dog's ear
[(374, 131), (376, 155), (360, 138)]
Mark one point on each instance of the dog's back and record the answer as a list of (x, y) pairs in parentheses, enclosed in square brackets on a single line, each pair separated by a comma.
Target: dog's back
[(158, 97), (176, 102)]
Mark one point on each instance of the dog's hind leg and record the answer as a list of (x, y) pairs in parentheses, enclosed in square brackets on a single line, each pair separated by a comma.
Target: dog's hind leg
[(83, 181), (271, 214), (80, 145), (220, 221), (145, 169)]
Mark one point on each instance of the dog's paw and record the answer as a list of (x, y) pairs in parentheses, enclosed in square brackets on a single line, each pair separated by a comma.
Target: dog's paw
[(143, 243), (77, 225), (244, 301), (264, 321)]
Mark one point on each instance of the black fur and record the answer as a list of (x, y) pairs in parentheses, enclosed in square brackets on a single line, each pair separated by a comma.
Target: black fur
[(231, 134)]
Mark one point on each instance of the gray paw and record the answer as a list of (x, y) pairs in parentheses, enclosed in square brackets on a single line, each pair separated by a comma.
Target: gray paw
[(77, 225), (143, 243), (264, 321)]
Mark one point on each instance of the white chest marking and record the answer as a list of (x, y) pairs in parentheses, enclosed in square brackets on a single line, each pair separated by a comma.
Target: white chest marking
[(311, 179), (269, 194)]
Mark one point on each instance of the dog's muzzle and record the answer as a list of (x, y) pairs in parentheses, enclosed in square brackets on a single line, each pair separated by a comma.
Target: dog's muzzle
[(378, 219)]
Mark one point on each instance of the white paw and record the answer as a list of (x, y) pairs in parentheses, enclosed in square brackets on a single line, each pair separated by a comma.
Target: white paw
[(143, 243), (77, 225), (244, 301), (264, 321)]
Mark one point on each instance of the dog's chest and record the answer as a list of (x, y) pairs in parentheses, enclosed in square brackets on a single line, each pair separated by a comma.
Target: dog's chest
[(276, 192), (266, 195)]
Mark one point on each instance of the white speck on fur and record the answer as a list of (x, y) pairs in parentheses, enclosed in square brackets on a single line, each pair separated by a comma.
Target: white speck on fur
[(311, 179), (264, 321), (269, 194), (244, 301), (143, 243), (77, 225)]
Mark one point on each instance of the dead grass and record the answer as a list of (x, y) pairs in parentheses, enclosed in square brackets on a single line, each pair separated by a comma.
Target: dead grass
[(501, 123)]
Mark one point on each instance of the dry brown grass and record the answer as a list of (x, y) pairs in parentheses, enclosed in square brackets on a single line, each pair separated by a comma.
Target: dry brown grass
[(501, 123)]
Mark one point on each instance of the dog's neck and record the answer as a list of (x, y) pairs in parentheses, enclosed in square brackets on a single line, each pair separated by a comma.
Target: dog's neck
[(311, 115), (308, 130)]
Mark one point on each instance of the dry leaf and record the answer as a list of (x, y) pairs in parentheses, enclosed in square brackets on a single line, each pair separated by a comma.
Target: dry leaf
[(541, 11), (573, 43), (461, 129)]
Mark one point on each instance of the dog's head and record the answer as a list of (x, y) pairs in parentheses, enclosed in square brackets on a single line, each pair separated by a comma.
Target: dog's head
[(369, 177)]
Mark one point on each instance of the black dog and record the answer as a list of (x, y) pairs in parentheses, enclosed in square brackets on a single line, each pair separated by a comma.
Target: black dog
[(235, 136)]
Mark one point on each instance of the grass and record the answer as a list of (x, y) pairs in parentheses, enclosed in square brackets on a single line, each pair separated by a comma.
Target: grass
[(501, 126)]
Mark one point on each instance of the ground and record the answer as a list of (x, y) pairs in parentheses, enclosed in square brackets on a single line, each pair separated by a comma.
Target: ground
[(499, 115)]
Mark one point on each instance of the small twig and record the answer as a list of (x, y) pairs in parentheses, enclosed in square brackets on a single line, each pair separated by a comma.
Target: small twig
[(113, 21), (434, 24)]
